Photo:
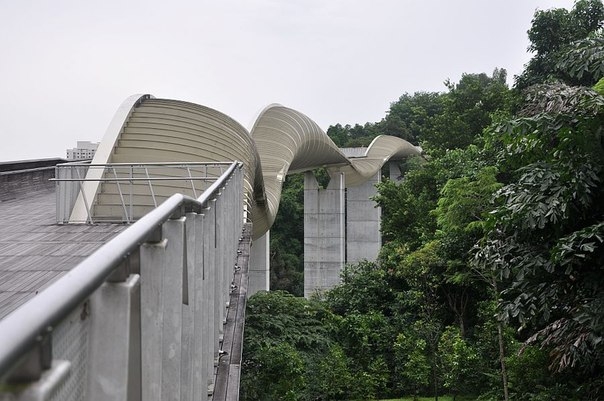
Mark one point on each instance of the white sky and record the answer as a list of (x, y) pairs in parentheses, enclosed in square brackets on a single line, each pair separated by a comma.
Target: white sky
[(66, 66)]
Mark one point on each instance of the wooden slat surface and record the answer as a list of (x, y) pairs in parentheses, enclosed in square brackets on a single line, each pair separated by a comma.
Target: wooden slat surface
[(35, 251), (229, 368)]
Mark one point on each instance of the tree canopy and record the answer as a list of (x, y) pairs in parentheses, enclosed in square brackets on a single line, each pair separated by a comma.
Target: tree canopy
[(566, 45), (490, 282)]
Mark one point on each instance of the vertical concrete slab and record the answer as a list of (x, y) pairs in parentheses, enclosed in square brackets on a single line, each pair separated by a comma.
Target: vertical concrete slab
[(113, 353), (363, 238), (324, 235), (202, 310), (161, 318), (217, 206), (217, 279), (192, 366), (152, 261), (259, 267), (209, 253)]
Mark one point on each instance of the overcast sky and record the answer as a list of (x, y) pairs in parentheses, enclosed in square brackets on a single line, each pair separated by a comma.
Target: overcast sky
[(66, 66)]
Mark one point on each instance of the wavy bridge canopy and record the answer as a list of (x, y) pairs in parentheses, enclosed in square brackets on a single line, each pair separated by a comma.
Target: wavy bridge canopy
[(282, 141)]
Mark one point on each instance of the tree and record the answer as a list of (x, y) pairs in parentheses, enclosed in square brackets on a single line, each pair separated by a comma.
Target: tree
[(406, 206), (461, 213), (552, 35), (287, 238), (411, 116), (274, 372), (467, 109), (366, 339), (353, 136), (548, 234), (412, 363), (459, 361), (580, 63), (329, 376), (339, 134), (510, 195), (282, 334), (365, 288)]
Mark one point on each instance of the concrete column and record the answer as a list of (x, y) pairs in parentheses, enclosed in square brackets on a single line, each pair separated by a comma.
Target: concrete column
[(195, 376), (395, 171), (219, 239), (259, 267), (162, 270), (209, 274), (218, 281), (323, 233), (363, 238), (114, 370)]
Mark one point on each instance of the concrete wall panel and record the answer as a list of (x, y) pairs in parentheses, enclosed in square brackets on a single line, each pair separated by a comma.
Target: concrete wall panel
[(258, 273), (363, 238), (324, 237)]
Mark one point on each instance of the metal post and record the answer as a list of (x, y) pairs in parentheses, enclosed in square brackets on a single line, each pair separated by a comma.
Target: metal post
[(151, 187), (119, 189)]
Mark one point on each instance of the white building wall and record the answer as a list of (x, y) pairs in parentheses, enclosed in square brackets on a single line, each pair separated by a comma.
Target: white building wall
[(83, 150)]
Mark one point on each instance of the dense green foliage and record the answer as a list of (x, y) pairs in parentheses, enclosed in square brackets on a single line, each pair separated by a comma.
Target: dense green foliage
[(287, 239), (490, 282), (546, 236), (294, 350), (567, 45)]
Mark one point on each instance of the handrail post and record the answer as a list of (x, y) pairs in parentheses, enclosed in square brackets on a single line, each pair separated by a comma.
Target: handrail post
[(209, 253), (119, 189), (151, 187), (162, 266), (130, 206), (86, 204), (114, 369), (191, 180)]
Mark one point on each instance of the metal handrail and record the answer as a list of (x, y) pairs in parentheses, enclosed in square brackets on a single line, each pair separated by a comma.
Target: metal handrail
[(159, 164), (21, 330), (125, 176), (128, 179)]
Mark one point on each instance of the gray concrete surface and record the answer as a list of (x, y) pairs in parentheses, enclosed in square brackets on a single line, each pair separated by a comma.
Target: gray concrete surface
[(363, 238), (259, 275), (324, 233)]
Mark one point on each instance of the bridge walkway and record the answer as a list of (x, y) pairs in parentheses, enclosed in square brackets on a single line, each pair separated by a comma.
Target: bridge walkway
[(34, 250), (126, 311), (229, 364)]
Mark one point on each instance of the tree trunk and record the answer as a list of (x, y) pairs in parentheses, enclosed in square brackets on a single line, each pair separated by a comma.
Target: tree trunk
[(435, 379), (458, 310), (504, 373)]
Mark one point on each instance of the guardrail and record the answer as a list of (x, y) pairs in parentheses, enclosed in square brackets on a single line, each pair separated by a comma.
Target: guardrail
[(127, 191), (141, 318)]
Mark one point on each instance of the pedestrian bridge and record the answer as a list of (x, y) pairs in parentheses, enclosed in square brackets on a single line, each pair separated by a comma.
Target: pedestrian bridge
[(137, 289)]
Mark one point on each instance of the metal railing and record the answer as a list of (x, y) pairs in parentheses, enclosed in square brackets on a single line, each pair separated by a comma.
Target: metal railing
[(174, 262), (123, 192)]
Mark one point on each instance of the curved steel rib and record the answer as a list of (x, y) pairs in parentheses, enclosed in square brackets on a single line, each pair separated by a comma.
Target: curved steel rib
[(282, 141)]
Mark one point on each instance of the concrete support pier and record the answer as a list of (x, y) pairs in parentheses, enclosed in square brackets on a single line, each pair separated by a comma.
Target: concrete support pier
[(363, 238), (324, 233), (395, 171), (259, 267)]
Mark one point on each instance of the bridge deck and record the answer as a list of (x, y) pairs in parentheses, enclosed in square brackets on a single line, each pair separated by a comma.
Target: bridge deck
[(35, 251)]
